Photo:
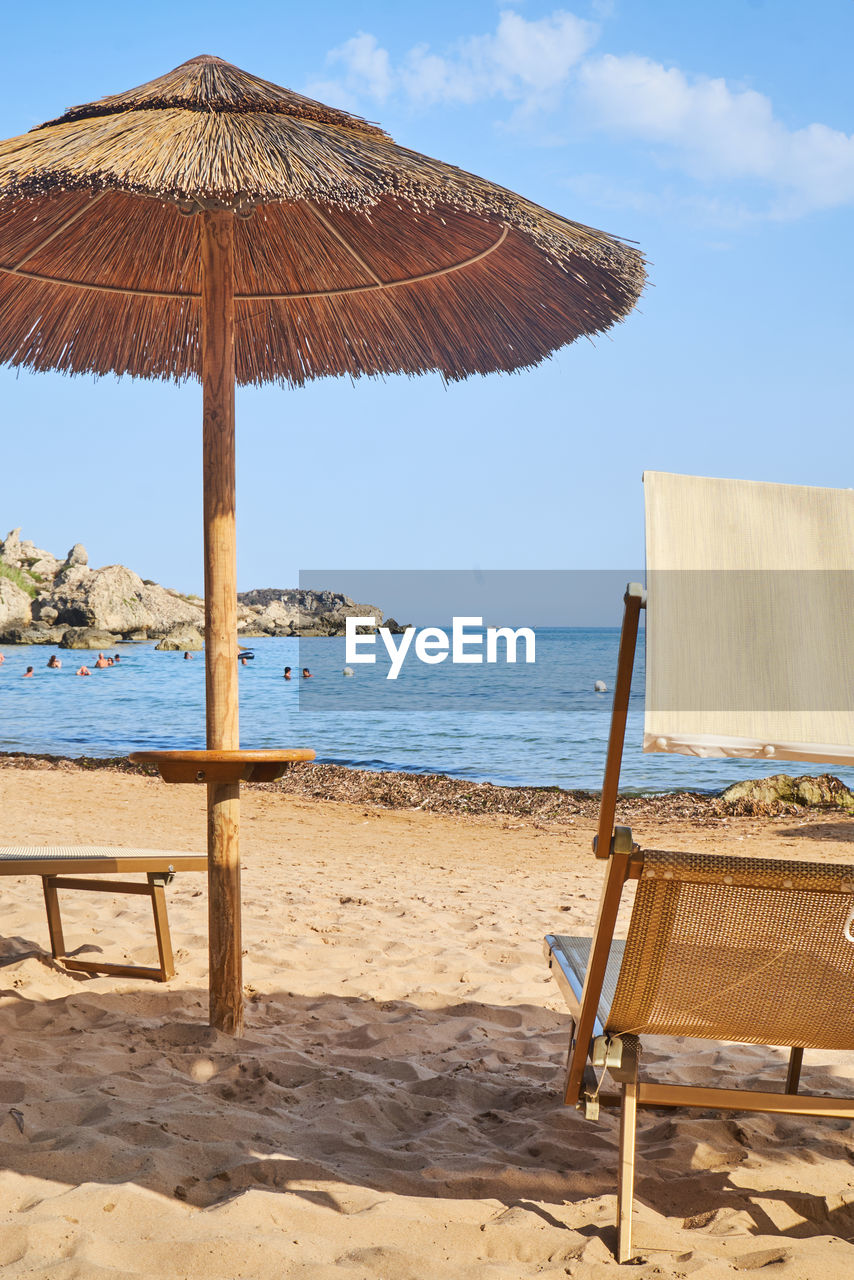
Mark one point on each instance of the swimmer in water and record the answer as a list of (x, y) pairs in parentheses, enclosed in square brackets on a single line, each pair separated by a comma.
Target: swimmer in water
[(306, 674), (29, 673), (287, 673), (188, 657), (53, 662), (83, 671), (102, 661)]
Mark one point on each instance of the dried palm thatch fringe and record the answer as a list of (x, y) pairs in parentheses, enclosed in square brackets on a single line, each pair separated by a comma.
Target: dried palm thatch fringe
[(353, 255)]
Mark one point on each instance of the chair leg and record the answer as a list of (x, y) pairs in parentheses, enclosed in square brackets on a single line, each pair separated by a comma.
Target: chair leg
[(793, 1075), (154, 889), (161, 925), (626, 1183), (54, 919)]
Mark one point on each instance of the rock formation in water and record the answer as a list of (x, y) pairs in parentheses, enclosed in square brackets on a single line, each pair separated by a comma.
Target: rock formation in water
[(184, 636), (781, 793), (292, 611), (45, 600)]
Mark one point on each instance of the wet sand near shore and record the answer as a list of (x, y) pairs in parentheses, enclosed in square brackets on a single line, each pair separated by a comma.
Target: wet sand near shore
[(393, 1110)]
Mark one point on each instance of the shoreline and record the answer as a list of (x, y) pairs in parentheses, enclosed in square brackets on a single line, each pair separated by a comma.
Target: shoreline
[(442, 794)]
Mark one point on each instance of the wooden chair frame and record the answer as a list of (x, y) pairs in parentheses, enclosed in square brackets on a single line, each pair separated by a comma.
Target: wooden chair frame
[(51, 866), (155, 889), (619, 1055)]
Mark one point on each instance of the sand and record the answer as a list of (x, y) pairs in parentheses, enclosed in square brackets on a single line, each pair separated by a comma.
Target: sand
[(393, 1110)]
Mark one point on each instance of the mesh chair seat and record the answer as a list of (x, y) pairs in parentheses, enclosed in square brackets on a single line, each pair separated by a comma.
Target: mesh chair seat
[(746, 949)]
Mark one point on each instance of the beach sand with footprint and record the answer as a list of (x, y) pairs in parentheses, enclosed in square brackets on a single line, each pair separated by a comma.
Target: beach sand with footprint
[(393, 1111)]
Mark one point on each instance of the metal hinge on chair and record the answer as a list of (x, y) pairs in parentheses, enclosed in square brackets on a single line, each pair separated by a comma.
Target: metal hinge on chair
[(621, 841), (607, 1052), (615, 1054)]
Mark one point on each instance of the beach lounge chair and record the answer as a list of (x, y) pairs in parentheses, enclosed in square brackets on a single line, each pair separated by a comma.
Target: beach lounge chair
[(53, 865), (749, 652)]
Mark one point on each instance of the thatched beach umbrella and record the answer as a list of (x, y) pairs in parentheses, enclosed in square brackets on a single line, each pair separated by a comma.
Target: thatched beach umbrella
[(213, 225)]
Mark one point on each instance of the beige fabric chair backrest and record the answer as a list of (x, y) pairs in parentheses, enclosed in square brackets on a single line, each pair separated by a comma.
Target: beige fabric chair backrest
[(735, 948), (750, 619)]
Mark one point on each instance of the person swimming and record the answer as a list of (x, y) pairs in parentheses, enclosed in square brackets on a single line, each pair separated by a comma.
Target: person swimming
[(102, 661), (287, 673), (29, 673), (83, 671), (188, 657), (53, 662), (306, 674)]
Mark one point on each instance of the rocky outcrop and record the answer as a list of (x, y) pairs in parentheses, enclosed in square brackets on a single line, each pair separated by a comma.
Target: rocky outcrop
[(69, 593), (781, 793), (116, 599), (15, 605), (38, 633), (182, 637), (274, 619), (77, 556), (43, 597), (86, 638), (295, 611), (39, 565)]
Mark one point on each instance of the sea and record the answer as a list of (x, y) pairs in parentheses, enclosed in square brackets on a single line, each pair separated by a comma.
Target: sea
[(541, 724)]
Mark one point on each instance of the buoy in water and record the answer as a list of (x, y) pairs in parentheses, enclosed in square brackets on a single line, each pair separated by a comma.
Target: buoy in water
[(348, 671)]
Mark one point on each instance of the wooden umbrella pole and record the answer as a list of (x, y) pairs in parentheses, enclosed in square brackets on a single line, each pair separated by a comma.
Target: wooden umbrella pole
[(216, 236)]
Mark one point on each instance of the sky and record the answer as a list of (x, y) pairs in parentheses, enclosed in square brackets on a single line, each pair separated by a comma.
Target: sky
[(719, 137)]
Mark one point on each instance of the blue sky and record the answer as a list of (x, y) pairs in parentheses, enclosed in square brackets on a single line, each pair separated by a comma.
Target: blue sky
[(718, 137)]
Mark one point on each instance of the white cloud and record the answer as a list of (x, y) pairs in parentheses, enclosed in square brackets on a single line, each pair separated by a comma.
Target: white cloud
[(524, 61), (714, 133), (365, 63)]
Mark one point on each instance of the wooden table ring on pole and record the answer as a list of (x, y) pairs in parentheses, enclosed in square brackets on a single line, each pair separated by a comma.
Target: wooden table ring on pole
[(223, 766)]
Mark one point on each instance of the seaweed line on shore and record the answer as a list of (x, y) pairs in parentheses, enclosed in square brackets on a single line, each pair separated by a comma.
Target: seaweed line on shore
[(441, 794)]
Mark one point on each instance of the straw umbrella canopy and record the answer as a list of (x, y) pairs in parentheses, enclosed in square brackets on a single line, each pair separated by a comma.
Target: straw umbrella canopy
[(213, 225)]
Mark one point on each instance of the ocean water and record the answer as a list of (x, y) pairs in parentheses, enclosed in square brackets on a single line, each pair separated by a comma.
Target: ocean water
[(539, 725)]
